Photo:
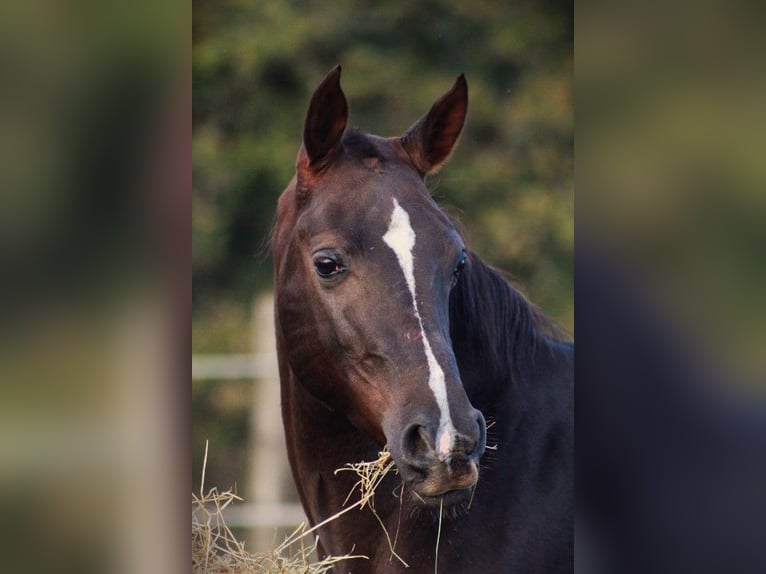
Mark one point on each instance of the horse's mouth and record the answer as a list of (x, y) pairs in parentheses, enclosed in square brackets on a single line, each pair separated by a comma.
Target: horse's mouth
[(444, 485), (430, 494)]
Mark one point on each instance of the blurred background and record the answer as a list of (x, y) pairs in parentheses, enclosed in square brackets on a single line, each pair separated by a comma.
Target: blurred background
[(510, 182), (671, 172), (95, 208)]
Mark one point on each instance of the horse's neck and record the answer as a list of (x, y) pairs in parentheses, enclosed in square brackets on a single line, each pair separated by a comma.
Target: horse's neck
[(312, 425), (320, 442)]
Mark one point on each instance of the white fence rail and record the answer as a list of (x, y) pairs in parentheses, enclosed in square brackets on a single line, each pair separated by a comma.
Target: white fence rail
[(234, 366), (264, 515)]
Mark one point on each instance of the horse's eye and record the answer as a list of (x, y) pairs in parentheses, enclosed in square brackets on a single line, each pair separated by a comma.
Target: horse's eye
[(327, 267), (459, 267)]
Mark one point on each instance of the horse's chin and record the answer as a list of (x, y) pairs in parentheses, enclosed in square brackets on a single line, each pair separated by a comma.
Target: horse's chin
[(445, 500), (443, 485)]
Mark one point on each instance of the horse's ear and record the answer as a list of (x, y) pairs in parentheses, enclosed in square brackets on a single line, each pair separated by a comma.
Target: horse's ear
[(325, 122), (430, 140)]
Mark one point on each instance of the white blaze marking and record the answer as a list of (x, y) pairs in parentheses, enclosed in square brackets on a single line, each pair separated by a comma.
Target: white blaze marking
[(400, 237)]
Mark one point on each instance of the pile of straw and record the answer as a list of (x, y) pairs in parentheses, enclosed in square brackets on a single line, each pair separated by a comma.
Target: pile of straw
[(216, 550)]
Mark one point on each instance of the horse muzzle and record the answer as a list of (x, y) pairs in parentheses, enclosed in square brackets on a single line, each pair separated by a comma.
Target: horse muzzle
[(438, 478)]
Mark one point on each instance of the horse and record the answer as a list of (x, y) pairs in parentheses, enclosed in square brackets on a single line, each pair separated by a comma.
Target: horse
[(392, 332)]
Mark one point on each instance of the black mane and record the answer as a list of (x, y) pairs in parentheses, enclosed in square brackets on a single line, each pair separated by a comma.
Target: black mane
[(494, 328)]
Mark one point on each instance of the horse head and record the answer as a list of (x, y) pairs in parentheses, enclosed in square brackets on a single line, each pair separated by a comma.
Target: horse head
[(365, 262)]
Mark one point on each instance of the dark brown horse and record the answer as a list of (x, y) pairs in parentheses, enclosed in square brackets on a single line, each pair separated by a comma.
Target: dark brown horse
[(391, 332)]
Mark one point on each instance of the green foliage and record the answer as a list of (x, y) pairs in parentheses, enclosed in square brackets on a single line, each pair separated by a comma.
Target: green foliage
[(510, 182)]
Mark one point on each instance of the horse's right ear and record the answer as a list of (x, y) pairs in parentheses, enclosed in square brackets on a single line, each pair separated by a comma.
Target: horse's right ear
[(325, 123)]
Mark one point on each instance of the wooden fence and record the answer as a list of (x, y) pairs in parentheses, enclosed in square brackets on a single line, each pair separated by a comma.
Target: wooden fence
[(269, 487)]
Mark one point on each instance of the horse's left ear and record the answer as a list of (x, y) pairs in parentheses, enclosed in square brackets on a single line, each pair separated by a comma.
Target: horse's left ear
[(430, 140)]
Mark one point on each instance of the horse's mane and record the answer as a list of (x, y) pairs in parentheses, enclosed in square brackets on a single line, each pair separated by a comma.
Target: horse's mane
[(493, 325)]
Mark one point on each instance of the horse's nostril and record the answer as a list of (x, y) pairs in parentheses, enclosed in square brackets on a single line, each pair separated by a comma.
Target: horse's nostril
[(416, 445)]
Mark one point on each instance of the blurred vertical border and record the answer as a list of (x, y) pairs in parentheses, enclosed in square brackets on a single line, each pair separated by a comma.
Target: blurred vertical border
[(95, 179), (670, 393)]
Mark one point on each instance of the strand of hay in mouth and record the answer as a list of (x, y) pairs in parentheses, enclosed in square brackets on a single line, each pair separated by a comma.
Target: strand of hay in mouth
[(438, 536), (215, 549), (371, 474)]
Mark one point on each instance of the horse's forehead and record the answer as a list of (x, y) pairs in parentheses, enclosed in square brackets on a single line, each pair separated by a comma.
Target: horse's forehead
[(368, 146), (361, 202)]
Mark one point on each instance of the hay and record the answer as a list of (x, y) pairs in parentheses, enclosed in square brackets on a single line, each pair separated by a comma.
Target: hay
[(371, 474), (438, 536), (216, 550)]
